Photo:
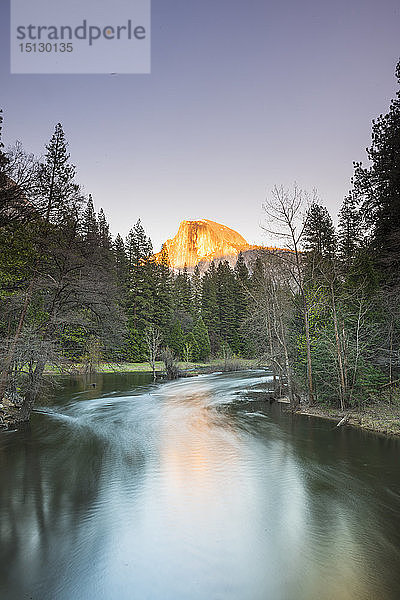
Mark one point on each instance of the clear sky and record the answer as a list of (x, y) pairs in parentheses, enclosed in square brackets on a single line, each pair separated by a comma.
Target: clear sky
[(242, 95)]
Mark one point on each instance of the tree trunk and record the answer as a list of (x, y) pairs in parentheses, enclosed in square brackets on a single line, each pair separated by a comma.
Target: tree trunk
[(308, 346), (391, 361), (11, 351), (287, 367), (269, 333), (342, 386)]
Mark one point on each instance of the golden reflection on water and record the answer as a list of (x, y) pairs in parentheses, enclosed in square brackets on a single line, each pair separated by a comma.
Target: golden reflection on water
[(208, 474), (198, 453)]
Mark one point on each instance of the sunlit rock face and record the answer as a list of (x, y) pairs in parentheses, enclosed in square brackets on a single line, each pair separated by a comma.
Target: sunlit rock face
[(200, 242)]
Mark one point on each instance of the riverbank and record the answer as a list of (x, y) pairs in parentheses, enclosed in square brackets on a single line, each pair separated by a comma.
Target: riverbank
[(379, 417), (189, 368)]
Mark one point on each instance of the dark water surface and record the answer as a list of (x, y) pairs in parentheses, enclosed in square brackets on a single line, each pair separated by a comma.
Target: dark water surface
[(189, 490)]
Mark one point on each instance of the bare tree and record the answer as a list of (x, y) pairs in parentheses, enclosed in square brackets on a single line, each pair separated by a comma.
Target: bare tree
[(171, 366), (153, 341), (270, 314), (187, 353), (286, 210)]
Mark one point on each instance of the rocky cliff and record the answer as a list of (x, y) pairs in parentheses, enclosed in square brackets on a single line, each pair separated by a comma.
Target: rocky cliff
[(200, 242)]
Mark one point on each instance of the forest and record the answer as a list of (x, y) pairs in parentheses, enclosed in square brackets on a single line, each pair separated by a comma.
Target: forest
[(323, 313)]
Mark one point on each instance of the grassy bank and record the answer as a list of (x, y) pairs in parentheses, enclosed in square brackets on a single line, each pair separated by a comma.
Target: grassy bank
[(236, 364)]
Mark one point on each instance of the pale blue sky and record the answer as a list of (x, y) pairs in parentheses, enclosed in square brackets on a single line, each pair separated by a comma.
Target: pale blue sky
[(242, 96)]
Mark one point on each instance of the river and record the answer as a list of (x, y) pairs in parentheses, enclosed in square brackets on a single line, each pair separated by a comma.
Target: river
[(195, 489)]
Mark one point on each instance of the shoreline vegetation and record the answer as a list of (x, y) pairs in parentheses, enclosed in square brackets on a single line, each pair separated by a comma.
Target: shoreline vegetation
[(185, 368)]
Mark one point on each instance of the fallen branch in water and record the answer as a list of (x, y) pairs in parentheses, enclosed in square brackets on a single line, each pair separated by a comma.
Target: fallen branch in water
[(343, 421)]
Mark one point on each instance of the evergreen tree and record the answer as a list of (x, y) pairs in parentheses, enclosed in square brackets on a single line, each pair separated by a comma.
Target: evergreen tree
[(162, 293), (57, 193), (121, 275), (202, 339), (226, 305), (209, 306), (138, 245), (319, 232), (196, 288), (182, 294), (242, 279), (165, 262), (104, 231), (377, 187), (191, 349), (121, 265), (258, 275), (138, 250), (140, 303), (241, 271), (350, 231), (176, 339), (89, 224)]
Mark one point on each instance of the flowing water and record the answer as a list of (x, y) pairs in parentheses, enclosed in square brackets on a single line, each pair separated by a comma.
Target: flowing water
[(194, 489)]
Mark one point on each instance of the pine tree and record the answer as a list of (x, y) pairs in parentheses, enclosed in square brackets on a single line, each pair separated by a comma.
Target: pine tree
[(202, 339), (319, 232), (350, 231), (140, 303), (191, 349), (138, 245), (162, 293), (121, 266), (176, 339), (258, 275), (209, 306), (90, 228), (105, 239), (242, 280), (196, 288), (165, 262), (377, 188), (182, 294), (58, 194), (241, 271), (226, 305)]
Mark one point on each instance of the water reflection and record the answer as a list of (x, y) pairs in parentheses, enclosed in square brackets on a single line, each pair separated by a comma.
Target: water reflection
[(189, 491)]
